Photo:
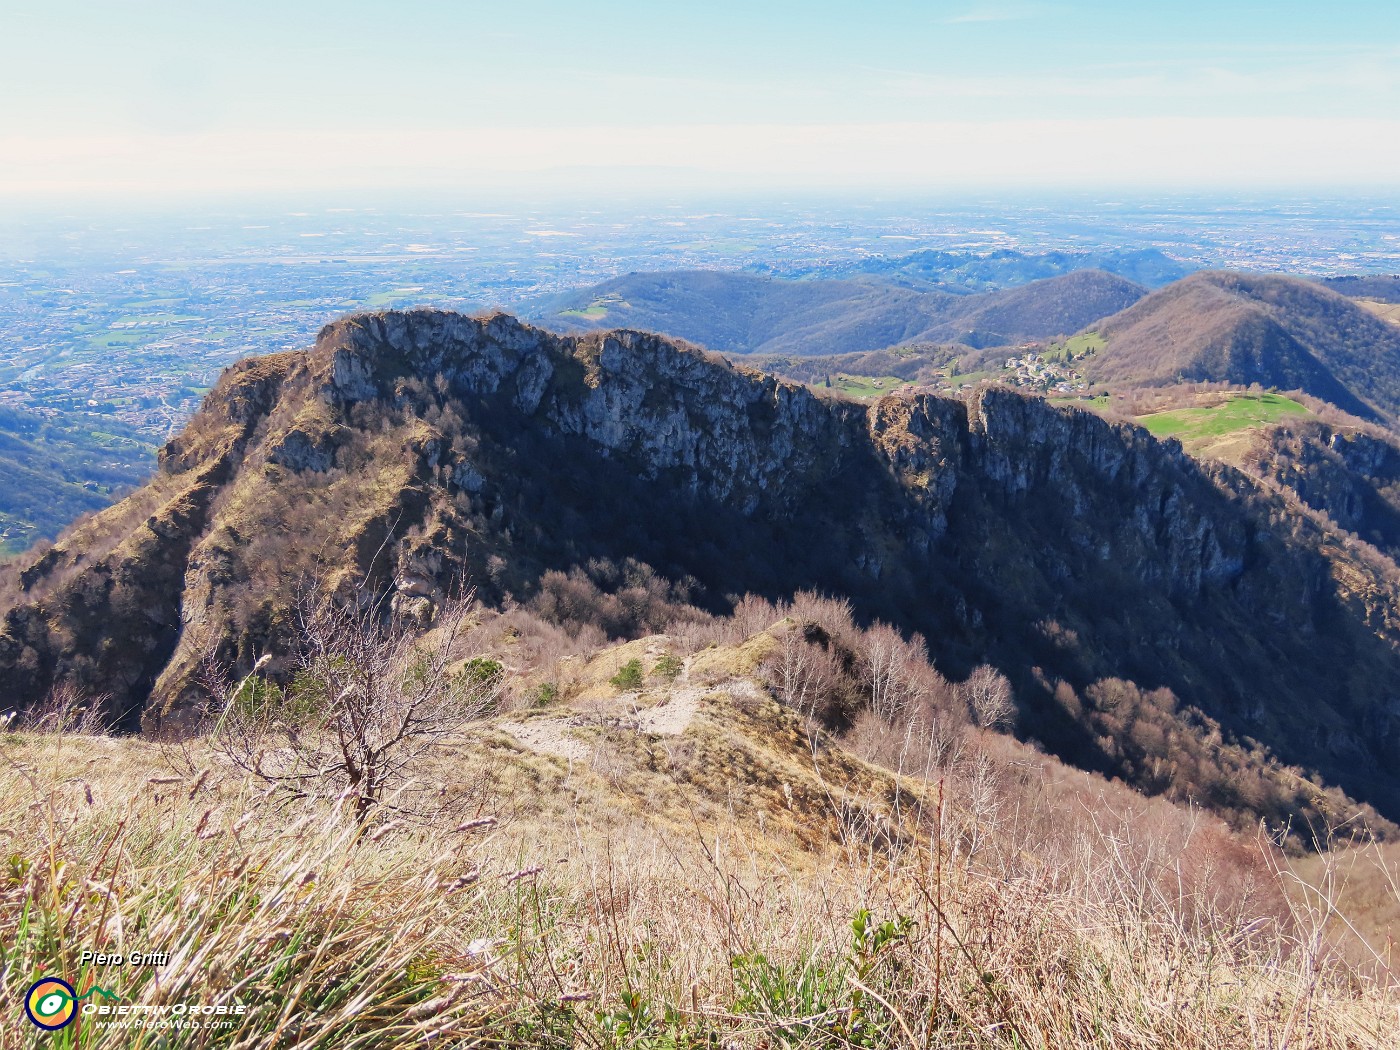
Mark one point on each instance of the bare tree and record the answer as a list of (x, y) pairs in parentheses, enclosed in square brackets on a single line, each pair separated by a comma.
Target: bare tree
[(893, 670), (802, 672), (988, 694), (981, 788), (369, 696)]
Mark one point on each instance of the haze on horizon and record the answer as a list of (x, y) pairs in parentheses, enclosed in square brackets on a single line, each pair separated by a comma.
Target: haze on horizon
[(157, 98)]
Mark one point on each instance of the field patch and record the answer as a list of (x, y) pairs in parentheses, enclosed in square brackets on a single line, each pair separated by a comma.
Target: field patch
[(597, 309), (391, 298), (866, 386), (1237, 413), (1385, 311)]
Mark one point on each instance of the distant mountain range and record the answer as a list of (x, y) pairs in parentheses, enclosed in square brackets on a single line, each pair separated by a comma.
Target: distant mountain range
[(744, 313), (1211, 326), (905, 319), (989, 271)]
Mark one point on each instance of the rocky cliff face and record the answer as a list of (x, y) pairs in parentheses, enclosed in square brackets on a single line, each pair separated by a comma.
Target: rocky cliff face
[(1349, 473), (406, 451)]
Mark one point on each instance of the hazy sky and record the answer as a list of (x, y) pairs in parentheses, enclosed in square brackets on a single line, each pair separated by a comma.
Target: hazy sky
[(153, 97)]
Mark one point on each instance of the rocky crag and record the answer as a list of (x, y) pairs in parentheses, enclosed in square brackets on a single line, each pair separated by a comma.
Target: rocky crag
[(1349, 472), (407, 451)]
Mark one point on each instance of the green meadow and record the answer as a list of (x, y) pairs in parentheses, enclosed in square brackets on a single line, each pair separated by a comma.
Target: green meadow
[(1075, 347), (866, 386), (598, 308), (390, 298), (1239, 412)]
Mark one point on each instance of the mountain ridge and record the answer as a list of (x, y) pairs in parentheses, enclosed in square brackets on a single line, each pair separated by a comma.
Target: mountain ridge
[(982, 271), (405, 451), (742, 313)]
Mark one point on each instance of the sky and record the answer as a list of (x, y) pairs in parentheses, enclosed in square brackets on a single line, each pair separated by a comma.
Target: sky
[(150, 98)]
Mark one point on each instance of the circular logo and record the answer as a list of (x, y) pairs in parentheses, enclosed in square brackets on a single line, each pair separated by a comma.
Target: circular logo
[(51, 1003)]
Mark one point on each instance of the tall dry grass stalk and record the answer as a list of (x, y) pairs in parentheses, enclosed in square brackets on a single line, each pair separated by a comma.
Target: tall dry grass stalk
[(333, 933)]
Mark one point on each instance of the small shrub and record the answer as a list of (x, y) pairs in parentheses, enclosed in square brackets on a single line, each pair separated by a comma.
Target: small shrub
[(629, 677), (668, 667), (545, 694), (792, 1000), (381, 703), (252, 697), (66, 709), (482, 670)]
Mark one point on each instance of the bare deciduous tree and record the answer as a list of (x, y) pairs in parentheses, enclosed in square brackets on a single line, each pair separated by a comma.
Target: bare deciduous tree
[(802, 672), (893, 669), (368, 697), (980, 786), (988, 695)]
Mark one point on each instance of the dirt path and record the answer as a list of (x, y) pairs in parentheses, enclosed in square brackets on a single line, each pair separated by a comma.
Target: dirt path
[(551, 736), (672, 717)]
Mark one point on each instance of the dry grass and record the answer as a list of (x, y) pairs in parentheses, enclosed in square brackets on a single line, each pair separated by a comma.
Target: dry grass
[(1385, 311), (726, 887), (1355, 889)]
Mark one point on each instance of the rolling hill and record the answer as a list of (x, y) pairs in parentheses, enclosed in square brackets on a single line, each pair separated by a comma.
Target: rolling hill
[(1383, 288), (1241, 329), (743, 313)]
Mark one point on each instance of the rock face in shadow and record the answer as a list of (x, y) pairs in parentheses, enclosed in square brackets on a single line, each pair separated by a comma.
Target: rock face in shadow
[(1349, 473), (407, 451)]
